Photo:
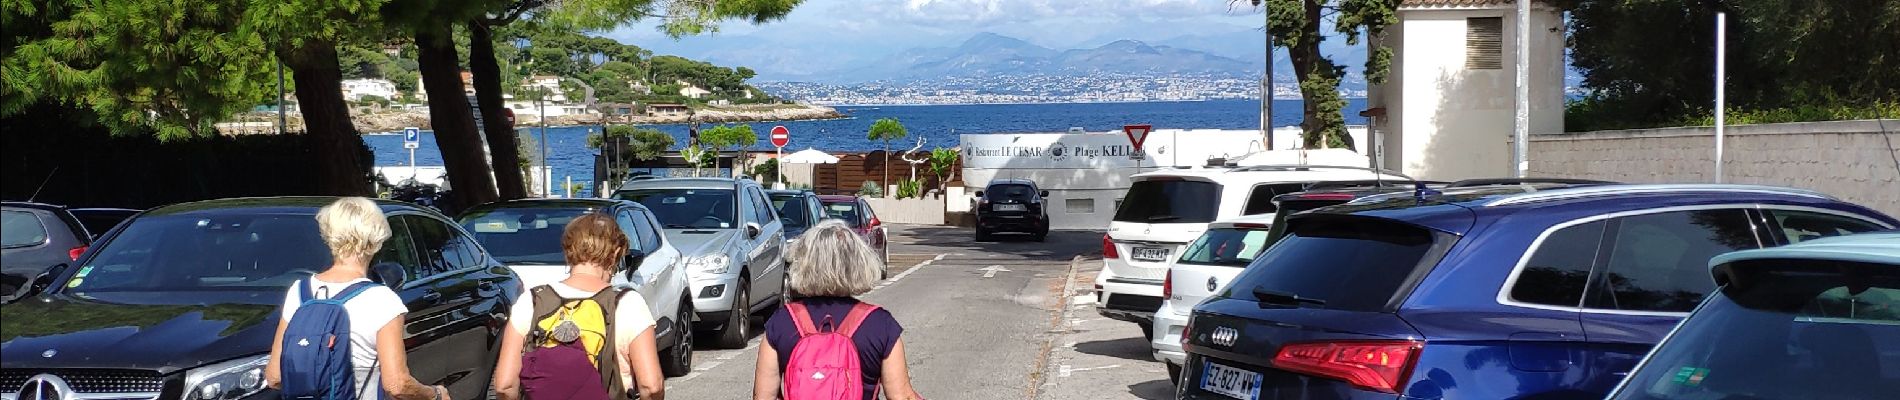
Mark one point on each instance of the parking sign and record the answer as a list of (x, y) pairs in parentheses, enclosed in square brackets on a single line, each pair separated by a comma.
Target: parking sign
[(411, 138)]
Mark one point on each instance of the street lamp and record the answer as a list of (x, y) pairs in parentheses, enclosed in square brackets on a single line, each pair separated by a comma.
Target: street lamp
[(546, 176)]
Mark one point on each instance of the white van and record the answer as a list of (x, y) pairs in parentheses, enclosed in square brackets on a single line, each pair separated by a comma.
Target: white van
[(1164, 210)]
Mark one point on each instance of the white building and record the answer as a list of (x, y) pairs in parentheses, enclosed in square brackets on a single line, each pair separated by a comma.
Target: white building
[(692, 92), (356, 89), (550, 83), (1448, 102)]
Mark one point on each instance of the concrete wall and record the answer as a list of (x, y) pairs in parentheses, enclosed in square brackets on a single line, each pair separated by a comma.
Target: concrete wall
[(1852, 160), (1446, 122), (925, 211)]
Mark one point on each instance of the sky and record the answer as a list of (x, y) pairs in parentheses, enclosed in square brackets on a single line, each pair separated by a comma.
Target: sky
[(821, 36)]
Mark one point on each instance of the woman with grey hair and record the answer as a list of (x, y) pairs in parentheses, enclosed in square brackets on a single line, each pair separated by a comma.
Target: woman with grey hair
[(830, 266)]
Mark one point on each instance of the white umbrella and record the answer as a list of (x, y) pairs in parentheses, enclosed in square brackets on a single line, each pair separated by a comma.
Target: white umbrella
[(809, 156)]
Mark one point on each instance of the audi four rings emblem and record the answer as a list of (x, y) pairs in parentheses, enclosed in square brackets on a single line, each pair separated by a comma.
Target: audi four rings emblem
[(1224, 336), (44, 387)]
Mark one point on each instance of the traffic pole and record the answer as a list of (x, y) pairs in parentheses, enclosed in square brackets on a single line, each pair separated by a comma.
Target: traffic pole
[(1721, 78)]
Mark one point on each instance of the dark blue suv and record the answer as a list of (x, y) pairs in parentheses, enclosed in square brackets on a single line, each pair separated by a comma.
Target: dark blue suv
[(1512, 291)]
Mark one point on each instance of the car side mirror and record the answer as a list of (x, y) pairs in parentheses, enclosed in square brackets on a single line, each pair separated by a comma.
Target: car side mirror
[(979, 193), (752, 230), (634, 258), (1044, 193), (389, 274), (40, 282)]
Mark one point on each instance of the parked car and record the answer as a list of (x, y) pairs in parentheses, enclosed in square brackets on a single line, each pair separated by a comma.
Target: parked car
[(1163, 210), (1206, 265), (184, 299), (1818, 319), (733, 243), (1484, 292), (858, 214), (99, 220), (526, 236), (1012, 206), (799, 208), (34, 237)]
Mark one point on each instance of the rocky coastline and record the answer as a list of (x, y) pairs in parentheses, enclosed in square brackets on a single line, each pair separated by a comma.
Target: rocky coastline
[(375, 120)]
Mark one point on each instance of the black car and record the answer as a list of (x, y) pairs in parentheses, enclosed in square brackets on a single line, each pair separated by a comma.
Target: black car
[(184, 300), (799, 208), (34, 237), (1012, 205)]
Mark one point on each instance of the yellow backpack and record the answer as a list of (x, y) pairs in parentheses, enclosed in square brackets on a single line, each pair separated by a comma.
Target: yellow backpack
[(589, 321)]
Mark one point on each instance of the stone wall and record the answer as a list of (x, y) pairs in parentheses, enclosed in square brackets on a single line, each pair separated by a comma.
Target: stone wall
[(1856, 161)]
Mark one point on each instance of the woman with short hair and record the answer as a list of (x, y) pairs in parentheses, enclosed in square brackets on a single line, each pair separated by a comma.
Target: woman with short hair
[(830, 266), (565, 317)]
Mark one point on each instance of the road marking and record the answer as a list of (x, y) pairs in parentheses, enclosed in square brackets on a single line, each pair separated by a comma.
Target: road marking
[(907, 272), (708, 366), (990, 271), (1066, 370), (941, 256)]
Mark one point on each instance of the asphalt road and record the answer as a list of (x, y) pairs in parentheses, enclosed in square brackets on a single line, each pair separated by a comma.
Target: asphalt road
[(983, 321)]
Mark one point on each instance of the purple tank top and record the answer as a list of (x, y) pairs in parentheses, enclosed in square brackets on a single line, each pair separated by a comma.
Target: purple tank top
[(875, 337)]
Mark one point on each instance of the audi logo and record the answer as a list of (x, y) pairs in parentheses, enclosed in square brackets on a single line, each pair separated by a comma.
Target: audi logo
[(1224, 336)]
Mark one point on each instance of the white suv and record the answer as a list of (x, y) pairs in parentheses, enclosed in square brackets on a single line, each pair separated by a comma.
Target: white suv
[(1204, 267), (1163, 210)]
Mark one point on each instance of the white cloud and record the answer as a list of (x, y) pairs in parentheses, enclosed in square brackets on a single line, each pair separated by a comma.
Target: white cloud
[(1009, 11)]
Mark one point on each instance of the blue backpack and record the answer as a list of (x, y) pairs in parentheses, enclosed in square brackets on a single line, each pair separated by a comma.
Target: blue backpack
[(316, 347)]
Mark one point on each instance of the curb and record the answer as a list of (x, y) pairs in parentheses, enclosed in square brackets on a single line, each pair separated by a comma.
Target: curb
[(1057, 327)]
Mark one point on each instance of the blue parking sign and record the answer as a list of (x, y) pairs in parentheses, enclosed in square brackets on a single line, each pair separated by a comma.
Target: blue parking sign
[(411, 138)]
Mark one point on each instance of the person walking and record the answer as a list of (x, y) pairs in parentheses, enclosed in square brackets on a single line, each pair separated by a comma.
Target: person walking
[(580, 338), (342, 303), (825, 344)]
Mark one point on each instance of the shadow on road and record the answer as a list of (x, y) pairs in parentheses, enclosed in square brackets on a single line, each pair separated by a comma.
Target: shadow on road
[(1158, 389), (1134, 348), (1059, 246)]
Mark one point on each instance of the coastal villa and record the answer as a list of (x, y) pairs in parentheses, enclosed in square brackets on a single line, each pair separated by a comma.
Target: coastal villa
[(468, 87), (667, 110), (357, 89), (1446, 110), (550, 83), (692, 92)]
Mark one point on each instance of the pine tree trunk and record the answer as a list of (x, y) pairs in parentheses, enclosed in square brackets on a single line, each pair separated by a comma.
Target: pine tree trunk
[(1307, 62), (454, 125), (503, 150), (327, 119)]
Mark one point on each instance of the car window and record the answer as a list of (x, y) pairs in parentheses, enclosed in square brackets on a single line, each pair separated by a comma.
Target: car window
[(864, 208), (1169, 201), (1010, 192), (1260, 200), (400, 248), (762, 211), (1560, 267), (434, 244), (1659, 262), (1829, 329), (793, 208), (625, 220), (847, 211), (1351, 264), (522, 236), (230, 252), (1801, 226), (21, 229), (468, 253), (1227, 246), (688, 208), (1290, 207), (649, 231)]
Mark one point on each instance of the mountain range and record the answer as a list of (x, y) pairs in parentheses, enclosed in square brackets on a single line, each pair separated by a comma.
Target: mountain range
[(990, 54)]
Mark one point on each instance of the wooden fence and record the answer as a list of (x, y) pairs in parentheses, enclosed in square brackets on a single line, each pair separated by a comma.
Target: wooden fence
[(853, 169)]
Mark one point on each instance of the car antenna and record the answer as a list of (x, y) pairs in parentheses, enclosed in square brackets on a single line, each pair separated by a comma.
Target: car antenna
[(43, 182)]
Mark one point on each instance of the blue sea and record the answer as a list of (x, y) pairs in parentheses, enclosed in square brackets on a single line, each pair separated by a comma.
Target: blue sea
[(939, 125)]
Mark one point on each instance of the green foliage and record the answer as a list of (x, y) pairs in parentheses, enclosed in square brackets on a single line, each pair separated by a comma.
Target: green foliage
[(1296, 26), (887, 129), (699, 157), (767, 171), (870, 189), (942, 161), (644, 144), (1648, 63), (728, 137), (910, 189)]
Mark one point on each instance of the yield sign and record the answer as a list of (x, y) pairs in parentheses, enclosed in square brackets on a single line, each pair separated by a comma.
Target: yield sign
[(1137, 134), (781, 136)]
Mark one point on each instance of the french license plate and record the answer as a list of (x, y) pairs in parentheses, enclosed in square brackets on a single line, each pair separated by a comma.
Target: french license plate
[(1151, 254), (1232, 382), (1010, 207)]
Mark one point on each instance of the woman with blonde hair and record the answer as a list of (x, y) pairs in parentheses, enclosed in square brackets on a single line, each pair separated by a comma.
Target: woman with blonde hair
[(830, 266), (581, 339), (355, 228)]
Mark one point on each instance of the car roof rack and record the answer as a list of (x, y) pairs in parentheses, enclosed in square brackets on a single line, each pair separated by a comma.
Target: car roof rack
[(1366, 183), (1613, 190), (1524, 181)]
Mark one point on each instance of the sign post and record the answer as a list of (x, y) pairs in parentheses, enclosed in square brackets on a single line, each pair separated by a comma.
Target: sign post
[(412, 139), (1136, 135), (780, 138)]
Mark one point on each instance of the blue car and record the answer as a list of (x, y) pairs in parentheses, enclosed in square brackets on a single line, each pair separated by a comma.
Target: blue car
[(1515, 291)]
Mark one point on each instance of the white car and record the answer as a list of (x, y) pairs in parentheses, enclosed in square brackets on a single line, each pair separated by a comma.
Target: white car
[(526, 236), (1163, 210), (1205, 267)]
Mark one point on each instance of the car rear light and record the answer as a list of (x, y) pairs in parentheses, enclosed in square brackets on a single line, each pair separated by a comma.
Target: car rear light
[(1380, 365), (1167, 286), (875, 223), (75, 252), (1108, 248)]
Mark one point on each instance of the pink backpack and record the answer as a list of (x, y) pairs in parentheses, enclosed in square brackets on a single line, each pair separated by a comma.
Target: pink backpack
[(824, 365)]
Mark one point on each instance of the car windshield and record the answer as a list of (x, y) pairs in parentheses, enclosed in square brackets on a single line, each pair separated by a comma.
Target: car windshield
[(196, 252), (1169, 202), (1228, 246), (1783, 330), (522, 236), (687, 208), (1354, 264), (1290, 207), (792, 208), (847, 211), (1009, 192)]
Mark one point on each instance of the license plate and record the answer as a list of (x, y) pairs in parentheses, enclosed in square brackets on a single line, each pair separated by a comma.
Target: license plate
[(1232, 382), (1151, 254), (1010, 207)]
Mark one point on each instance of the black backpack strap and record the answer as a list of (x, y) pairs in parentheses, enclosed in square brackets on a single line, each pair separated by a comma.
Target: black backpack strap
[(546, 302), (608, 361)]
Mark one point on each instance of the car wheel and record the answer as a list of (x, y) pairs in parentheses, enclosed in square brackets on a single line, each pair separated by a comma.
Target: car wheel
[(679, 360), (1174, 374), (982, 236), (739, 319), (1041, 236)]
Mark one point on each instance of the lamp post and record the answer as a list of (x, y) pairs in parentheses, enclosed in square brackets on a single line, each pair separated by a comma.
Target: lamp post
[(541, 103), (1721, 80), (1266, 80), (1520, 132)]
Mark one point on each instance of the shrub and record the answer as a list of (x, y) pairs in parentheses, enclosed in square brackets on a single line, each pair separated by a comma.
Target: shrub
[(909, 188), (870, 189)]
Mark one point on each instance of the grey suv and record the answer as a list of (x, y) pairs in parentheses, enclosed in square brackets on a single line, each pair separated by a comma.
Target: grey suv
[(732, 240)]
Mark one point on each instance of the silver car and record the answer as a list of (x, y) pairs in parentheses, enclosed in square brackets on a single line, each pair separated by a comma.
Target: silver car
[(732, 240)]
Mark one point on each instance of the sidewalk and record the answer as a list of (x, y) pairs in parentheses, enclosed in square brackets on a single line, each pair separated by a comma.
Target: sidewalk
[(1099, 358)]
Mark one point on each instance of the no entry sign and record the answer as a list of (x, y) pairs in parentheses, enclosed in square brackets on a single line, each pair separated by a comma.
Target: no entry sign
[(781, 136)]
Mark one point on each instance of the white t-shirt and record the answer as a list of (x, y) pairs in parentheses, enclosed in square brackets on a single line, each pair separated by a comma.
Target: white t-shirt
[(630, 317), (369, 312)]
